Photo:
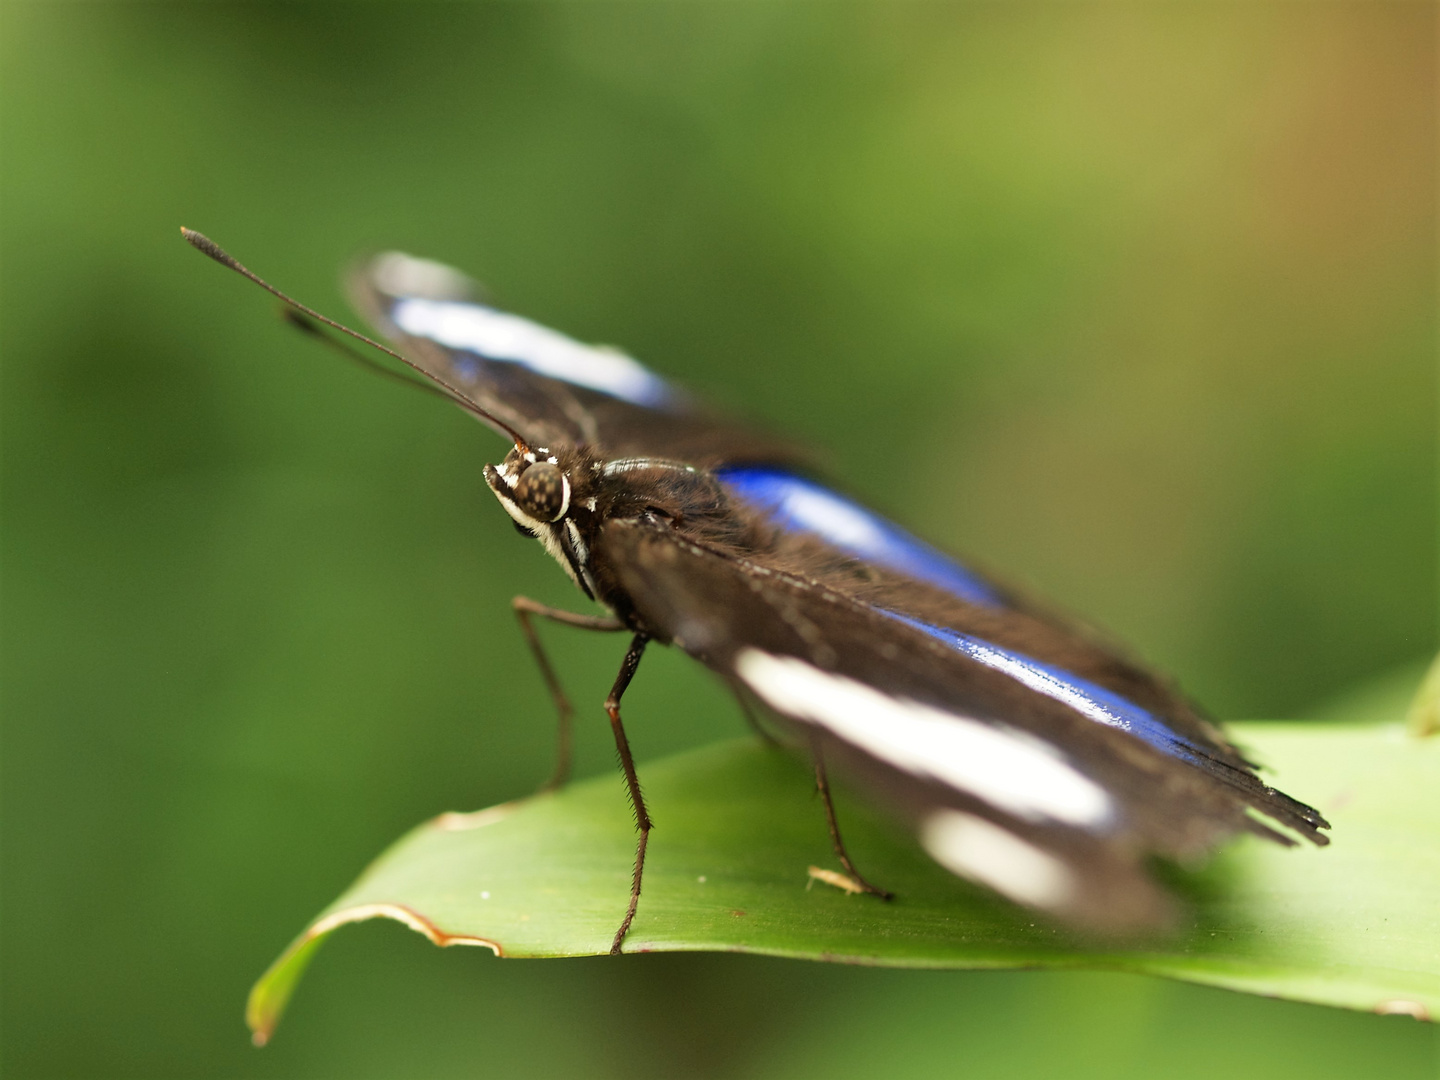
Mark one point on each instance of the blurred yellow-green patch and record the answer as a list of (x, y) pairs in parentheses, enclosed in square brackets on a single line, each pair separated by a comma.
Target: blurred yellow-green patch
[(1423, 718)]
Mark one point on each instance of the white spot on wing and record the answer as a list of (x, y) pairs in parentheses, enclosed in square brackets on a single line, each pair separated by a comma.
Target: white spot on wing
[(982, 851), (404, 275), (1008, 769), (499, 335)]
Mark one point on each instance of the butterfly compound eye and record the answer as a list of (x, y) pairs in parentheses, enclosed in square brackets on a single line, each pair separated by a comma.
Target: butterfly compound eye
[(543, 491)]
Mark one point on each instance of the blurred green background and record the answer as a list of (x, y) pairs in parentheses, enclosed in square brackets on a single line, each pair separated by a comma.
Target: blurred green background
[(1140, 297)]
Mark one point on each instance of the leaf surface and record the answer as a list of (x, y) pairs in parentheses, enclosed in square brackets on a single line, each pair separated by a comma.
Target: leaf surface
[(738, 827)]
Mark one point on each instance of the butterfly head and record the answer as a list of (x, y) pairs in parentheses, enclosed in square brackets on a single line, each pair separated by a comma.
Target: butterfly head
[(537, 488), (532, 486)]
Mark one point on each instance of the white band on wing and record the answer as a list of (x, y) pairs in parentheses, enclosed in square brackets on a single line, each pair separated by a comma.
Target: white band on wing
[(499, 335), (1011, 770)]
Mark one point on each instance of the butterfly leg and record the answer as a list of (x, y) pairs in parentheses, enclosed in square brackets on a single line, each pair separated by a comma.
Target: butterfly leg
[(822, 785), (524, 608), (642, 817)]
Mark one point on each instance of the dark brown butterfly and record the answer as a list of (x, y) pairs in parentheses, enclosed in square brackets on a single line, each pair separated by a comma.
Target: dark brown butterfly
[(1026, 755)]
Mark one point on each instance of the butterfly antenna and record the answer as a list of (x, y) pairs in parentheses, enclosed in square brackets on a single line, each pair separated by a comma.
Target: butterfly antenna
[(307, 325), (207, 246)]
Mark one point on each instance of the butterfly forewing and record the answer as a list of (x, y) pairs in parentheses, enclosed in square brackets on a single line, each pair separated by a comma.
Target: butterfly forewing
[(552, 388)]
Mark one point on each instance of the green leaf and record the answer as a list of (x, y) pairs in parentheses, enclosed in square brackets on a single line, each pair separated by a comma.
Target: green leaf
[(1356, 924)]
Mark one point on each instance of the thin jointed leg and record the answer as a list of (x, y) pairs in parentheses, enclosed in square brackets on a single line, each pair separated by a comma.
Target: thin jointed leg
[(524, 608), (642, 817), (822, 785)]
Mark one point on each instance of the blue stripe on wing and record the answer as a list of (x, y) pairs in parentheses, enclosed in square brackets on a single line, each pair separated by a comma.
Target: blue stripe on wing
[(1085, 697), (498, 335), (793, 502)]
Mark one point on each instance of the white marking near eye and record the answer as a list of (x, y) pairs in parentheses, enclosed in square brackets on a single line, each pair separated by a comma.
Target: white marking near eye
[(982, 851), (399, 274), (499, 335), (582, 553), (564, 495), (546, 533), (1010, 770), (535, 525)]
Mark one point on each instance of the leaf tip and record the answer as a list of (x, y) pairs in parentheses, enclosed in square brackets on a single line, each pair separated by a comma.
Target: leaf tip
[(272, 993)]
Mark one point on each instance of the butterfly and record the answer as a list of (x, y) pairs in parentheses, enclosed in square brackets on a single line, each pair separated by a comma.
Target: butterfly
[(1026, 755)]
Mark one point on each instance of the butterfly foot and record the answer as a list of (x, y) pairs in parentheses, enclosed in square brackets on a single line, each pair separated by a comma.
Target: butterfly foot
[(871, 890), (853, 880), (851, 883)]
